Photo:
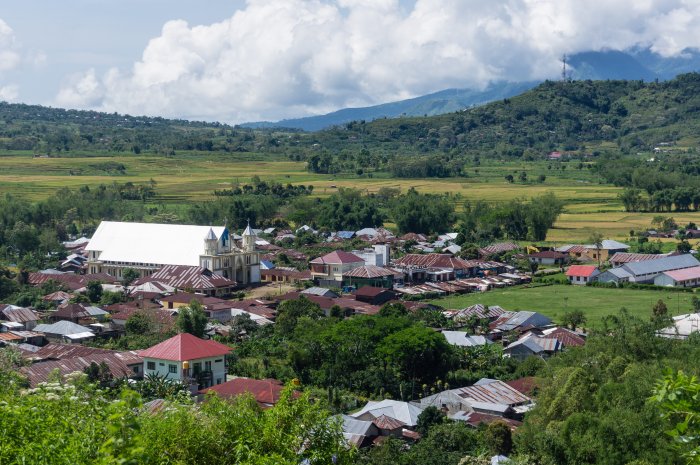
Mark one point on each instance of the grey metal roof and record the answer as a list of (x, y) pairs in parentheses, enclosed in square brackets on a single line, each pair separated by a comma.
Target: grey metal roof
[(322, 291), (660, 265), (63, 327), (354, 426), (462, 339), (524, 318), (533, 346)]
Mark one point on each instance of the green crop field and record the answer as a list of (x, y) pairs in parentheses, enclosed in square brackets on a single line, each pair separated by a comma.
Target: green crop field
[(193, 176), (555, 300)]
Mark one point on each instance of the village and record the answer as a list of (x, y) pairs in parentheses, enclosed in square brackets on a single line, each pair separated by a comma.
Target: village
[(155, 271)]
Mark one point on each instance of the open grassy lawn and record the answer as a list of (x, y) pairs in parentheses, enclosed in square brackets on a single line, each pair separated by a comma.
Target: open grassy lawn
[(554, 300), (193, 176)]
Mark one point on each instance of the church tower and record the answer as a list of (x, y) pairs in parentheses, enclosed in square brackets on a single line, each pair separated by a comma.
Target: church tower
[(248, 239), (210, 243)]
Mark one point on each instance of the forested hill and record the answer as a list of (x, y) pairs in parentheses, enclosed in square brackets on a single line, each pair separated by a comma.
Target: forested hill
[(57, 131), (569, 116), (572, 116)]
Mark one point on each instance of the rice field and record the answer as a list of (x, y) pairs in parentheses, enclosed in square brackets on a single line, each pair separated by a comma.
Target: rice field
[(192, 177)]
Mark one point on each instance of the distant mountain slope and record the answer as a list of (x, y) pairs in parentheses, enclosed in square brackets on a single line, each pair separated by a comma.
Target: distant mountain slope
[(634, 65), (438, 103)]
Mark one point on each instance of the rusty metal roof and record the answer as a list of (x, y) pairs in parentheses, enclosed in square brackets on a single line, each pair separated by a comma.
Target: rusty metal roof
[(119, 364), (494, 392), (189, 277), (18, 315)]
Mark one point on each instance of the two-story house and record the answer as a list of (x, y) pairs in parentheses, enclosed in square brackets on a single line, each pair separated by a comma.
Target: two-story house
[(188, 359), (329, 269)]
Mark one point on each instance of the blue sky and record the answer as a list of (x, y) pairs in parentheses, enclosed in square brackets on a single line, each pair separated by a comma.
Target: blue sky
[(236, 60)]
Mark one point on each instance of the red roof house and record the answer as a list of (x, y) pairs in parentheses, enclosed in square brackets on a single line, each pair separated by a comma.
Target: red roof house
[(184, 347), (582, 274), (332, 266), (186, 358)]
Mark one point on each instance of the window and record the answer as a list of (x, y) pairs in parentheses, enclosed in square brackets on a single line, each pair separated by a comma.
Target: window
[(218, 360), (197, 368), (207, 365), (151, 365), (172, 368), (161, 364)]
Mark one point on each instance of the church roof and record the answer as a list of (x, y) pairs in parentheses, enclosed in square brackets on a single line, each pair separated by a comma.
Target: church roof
[(185, 346), (160, 244), (211, 235)]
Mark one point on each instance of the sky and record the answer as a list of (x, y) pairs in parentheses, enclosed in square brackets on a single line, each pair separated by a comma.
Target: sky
[(236, 60)]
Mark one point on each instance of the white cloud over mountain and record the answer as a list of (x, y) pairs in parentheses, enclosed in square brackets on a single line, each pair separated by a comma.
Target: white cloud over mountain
[(288, 58)]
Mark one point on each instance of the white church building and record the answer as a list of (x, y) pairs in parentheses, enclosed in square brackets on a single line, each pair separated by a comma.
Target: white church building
[(147, 247)]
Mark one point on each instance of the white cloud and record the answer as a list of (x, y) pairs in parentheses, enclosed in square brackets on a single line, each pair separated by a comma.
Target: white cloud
[(9, 59), (286, 58)]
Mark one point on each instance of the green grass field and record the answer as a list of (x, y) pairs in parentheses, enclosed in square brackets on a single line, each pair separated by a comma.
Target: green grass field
[(193, 176), (555, 300)]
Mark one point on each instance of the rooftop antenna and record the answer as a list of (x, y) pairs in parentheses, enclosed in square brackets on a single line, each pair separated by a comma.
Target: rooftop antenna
[(564, 76)]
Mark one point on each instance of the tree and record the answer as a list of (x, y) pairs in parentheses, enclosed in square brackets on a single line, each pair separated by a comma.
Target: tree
[(684, 246), (428, 418), (522, 176), (509, 178), (94, 291), (129, 275), (138, 323), (696, 303), (659, 313), (422, 213), (596, 239), (395, 309), (289, 312), (541, 178), (192, 319), (574, 319), (498, 438), (631, 199), (678, 397)]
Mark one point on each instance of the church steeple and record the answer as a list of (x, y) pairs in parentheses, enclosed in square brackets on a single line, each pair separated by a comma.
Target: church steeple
[(210, 243), (249, 239)]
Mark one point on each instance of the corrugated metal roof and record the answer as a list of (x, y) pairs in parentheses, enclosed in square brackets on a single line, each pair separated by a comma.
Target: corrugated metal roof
[(524, 318), (19, 315), (462, 339), (266, 391), (117, 362), (493, 392), (62, 327), (189, 277), (161, 244), (388, 423), (434, 260), (581, 270), (498, 248), (337, 257), (185, 346), (626, 257), (684, 274), (402, 411), (661, 264), (369, 271)]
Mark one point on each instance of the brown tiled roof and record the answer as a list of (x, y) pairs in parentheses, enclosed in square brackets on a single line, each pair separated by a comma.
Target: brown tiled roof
[(476, 418)]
